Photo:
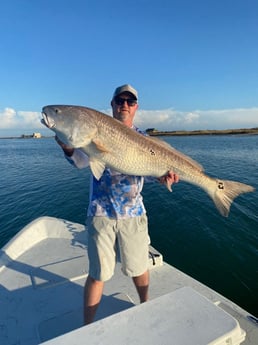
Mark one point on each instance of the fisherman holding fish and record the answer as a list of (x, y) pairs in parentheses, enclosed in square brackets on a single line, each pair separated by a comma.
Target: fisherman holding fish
[(116, 216)]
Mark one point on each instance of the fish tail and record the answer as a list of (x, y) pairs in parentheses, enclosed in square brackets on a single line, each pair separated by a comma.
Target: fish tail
[(226, 192)]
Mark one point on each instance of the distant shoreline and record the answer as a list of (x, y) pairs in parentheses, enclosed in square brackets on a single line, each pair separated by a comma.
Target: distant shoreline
[(27, 137), (155, 132)]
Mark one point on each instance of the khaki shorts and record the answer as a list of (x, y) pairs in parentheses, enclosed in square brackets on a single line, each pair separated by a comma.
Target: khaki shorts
[(129, 235)]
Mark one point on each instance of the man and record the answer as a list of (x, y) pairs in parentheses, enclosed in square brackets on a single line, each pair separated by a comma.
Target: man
[(116, 215)]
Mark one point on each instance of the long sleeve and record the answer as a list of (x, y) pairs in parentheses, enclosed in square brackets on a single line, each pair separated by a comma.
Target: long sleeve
[(79, 159)]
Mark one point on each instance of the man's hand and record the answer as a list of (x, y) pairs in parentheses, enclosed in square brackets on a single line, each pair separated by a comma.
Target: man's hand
[(67, 149), (169, 179)]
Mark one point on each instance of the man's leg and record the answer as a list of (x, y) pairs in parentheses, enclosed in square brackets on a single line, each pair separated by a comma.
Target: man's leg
[(142, 286), (101, 239), (92, 295)]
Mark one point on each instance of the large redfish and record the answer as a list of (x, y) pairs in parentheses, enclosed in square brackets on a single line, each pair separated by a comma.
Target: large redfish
[(109, 143)]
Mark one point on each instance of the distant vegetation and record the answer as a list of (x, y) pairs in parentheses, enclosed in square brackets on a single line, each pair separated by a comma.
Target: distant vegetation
[(35, 135), (155, 132)]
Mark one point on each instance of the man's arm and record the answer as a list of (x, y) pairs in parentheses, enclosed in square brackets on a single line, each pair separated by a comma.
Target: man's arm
[(68, 151), (79, 159), (169, 179), (74, 156)]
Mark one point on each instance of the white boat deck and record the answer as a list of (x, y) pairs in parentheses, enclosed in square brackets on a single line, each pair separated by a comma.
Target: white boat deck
[(42, 275)]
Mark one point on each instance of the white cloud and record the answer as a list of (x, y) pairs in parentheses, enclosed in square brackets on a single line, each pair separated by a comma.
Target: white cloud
[(191, 117), (164, 119), (12, 119), (170, 119), (7, 118)]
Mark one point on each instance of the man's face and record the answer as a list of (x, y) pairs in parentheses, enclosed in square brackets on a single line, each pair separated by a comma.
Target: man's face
[(124, 111)]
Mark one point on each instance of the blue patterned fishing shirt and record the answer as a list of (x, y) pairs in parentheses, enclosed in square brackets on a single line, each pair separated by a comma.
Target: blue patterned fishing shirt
[(114, 195)]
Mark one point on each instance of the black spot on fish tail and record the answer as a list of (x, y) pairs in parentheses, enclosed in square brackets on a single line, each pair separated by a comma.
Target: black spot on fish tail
[(220, 185), (226, 192)]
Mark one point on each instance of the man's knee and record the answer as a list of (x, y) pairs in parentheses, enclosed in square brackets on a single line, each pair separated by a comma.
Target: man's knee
[(92, 281)]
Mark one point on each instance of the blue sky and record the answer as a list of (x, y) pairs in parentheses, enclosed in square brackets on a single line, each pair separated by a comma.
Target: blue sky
[(194, 63)]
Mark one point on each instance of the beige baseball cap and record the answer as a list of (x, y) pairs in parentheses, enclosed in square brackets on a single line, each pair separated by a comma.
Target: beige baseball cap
[(125, 88)]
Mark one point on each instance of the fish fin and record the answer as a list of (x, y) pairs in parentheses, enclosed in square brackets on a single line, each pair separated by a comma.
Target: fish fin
[(99, 145), (195, 164), (169, 186), (160, 142), (97, 168), (176, 152), (226, 192)]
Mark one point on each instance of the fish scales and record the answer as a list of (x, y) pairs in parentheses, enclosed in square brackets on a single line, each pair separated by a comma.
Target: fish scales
[(109, 143), (134, 153)]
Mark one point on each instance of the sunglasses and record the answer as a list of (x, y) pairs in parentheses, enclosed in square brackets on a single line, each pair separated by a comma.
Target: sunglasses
[(130, 101)]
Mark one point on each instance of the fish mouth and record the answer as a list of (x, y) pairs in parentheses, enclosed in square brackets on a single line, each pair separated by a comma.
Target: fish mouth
[(48, 122)]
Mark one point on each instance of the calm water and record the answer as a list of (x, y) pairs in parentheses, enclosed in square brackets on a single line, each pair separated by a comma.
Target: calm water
[(221, 252)]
